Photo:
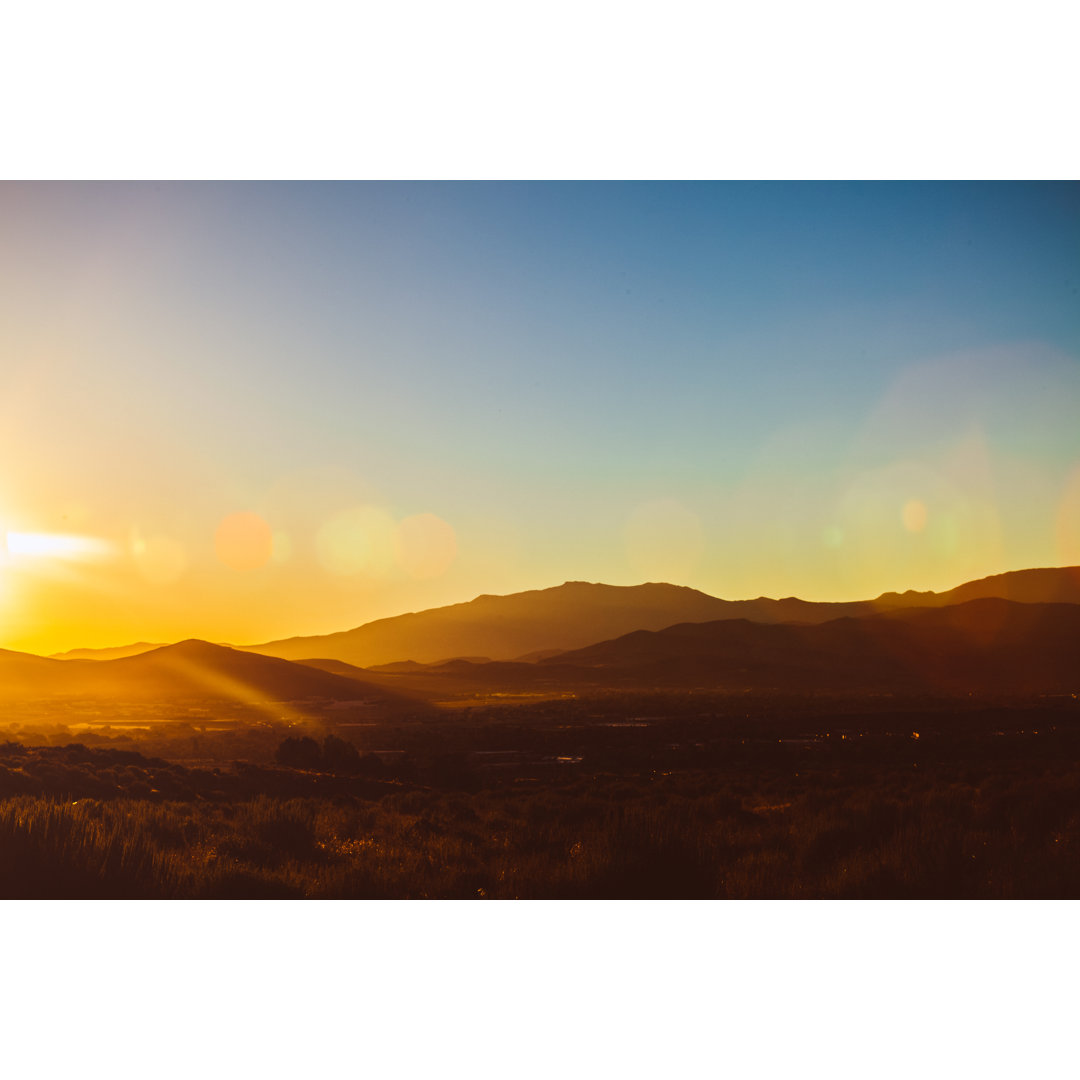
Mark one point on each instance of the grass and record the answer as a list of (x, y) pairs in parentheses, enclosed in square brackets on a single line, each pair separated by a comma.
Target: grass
[(768, 799), (1006, 832)]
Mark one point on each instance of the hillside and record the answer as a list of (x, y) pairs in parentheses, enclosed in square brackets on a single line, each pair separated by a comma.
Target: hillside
[(24, 674), (982, 645), (188, 670), (504, 627), (1046, 585), (114, 652), (577, 614)]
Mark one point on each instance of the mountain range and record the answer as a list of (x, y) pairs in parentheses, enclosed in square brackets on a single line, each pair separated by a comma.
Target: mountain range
[(116, 652), (979, 645), (578, 613), (1016, 632), (187, 670)]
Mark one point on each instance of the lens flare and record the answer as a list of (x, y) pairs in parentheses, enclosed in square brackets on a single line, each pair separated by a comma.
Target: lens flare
[(282, 547), (914, 515), (244, 541), (959, 540), (832, 536), (360, 540)]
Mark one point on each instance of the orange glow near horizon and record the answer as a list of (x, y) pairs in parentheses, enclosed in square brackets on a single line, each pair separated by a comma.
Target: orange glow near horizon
[(914, 515), (61, 591)]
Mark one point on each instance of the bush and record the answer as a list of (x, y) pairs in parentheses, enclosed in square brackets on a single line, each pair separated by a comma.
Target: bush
[(301, 753), (340, 756)]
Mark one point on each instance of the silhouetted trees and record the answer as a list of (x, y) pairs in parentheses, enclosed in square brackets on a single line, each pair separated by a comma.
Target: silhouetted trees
[(340, 756), (336, 755), (303, 753)]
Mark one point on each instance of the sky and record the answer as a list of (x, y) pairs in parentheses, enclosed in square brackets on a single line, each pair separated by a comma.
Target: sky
[(248, 411)]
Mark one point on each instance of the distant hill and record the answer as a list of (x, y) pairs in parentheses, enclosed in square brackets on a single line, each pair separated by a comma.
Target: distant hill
[(540, 654), (1049, 585), (23, 673), (576, 614), (188, 670), (197, 668), (114, 652), (502, 627), (980, 645)]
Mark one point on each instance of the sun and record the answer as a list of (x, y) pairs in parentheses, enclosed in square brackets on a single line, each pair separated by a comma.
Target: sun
[(53, 545)]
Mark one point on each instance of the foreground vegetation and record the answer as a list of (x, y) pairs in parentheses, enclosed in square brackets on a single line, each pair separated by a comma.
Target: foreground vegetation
[(983, 814)]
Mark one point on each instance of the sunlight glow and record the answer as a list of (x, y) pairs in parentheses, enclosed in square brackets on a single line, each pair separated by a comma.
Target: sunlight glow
[(51, 545), (222, 683), (224, 414)]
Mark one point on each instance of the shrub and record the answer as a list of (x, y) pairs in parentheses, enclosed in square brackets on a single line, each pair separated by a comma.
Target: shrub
[(340, 756), (303, 753)]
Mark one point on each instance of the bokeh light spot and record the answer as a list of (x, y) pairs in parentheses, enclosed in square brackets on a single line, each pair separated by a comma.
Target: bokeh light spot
[(282, 547), (54, 546), (358, 540), (914, 515), (244, 541)]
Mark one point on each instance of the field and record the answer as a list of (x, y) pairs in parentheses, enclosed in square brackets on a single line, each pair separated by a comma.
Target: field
[(687, 795)]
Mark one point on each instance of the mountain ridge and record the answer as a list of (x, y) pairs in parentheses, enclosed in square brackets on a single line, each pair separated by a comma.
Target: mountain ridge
[(189, 669), (527, 625), (575, 614), (988, 643)]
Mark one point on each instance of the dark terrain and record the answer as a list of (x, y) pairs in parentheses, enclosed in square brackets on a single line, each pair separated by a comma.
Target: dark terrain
[(925, 747), (618, 796)]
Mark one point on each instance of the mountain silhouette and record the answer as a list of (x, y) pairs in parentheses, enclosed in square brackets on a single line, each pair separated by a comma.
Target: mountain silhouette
[(196, 668), (655, 635), (26, 675), (187, 670), (576, 614), (980, 645), (114, 652), (503, 627), (1047, 585)]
